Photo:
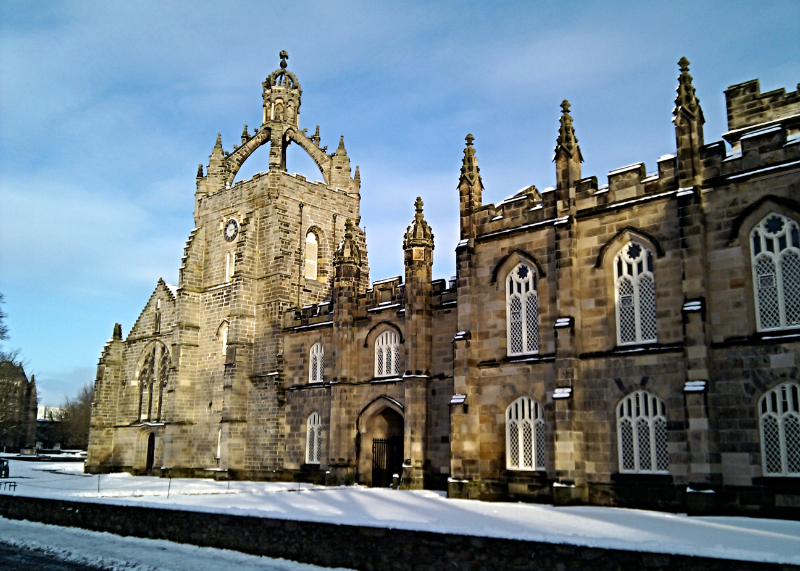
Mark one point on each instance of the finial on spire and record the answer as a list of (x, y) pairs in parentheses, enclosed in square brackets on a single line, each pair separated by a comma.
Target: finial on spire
[(348, 251), (357, 175), (200, 170), (686, 99), (567, 141), (341, 150), (418, 233), (284, 55), (117, 335), (219, 141), (469, 164)]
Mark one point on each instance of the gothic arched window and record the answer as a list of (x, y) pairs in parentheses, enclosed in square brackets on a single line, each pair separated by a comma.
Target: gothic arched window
[(779, 411), (312, 251), (642, 434), (316, 362), (222, 332), (775, 249), (635, 295), (230, 260), (314, 439), (522, 311), (524, 435), (152, 378), (387, 354)]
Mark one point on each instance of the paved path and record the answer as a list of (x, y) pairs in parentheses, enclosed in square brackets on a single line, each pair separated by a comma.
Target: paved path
[(21, 559)]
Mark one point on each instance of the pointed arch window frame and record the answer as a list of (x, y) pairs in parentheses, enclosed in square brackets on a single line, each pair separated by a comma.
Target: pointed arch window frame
[(387, 354), (311, 256), (522, 310), (314, 438), (642, 436), (525, 435), (779, 430), (635, 294), (152, 376), (775, 266), (316, 363)]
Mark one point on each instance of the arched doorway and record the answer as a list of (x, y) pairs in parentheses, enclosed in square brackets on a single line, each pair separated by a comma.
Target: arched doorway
[(381, 426), (151, 452)]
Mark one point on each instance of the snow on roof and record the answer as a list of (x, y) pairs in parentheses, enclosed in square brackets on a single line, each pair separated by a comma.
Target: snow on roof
[(634, 166)]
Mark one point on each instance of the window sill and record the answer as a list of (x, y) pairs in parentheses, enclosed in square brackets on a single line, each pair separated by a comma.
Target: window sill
[(643, 348), (778, 481), (525, 358), (642, 479)]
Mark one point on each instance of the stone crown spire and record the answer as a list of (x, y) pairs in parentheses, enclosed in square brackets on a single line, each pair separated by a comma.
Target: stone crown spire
[(567, 141), (418, 233), (687, 99), (469, 164), (347, 252)]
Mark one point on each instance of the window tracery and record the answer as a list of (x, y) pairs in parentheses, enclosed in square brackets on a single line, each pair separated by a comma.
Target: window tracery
[(387, 354), (316, 363), (642, 434), (153, 374), (775, 254), (522, 311), (779, 412), (525, 435), (314, 439), (635, 295)]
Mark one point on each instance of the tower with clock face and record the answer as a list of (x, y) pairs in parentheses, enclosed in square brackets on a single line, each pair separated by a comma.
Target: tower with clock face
[(259, 247)]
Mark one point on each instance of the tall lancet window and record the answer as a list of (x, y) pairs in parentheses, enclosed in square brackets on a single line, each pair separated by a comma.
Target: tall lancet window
[(775, 249), (524, 435), (152, 377), (636, 295), (316, 363), (642, 433), (312, 250), (779, 410), (314, 439), (522, 311)]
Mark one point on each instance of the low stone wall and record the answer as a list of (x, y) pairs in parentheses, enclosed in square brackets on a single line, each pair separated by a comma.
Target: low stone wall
[(356, 547)]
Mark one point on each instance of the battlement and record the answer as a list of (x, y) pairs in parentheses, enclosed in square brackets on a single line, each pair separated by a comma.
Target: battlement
[(748, 107), (384, 295)]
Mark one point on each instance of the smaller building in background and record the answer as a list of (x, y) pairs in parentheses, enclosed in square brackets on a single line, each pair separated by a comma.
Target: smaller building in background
[(17, 407)]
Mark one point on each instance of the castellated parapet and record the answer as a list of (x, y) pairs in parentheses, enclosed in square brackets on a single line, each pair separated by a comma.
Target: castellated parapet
[(625, 341)]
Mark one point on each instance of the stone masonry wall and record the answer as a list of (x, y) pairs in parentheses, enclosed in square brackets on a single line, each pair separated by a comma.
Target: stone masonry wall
[(354, 547)]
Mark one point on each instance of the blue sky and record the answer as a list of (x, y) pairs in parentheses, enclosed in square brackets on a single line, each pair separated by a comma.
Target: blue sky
[(106, 109)]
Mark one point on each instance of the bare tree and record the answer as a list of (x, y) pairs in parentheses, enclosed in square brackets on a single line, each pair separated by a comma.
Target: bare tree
[(10, 355), (76, 413)]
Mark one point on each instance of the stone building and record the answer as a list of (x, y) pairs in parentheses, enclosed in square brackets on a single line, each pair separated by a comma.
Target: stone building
[(625, 343), (17, 407)]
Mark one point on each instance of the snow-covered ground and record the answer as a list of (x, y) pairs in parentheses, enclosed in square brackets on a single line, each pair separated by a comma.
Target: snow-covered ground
[(109, 551), (747, 539)]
